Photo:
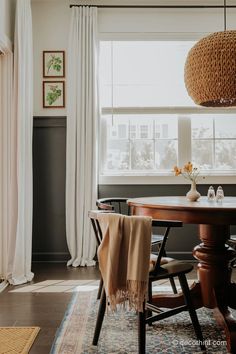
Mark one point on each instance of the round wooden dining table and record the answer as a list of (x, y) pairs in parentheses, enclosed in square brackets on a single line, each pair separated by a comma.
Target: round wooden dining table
[(214, 288)]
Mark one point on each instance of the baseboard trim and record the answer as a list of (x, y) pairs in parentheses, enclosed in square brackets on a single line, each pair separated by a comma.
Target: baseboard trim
[(50, 257)]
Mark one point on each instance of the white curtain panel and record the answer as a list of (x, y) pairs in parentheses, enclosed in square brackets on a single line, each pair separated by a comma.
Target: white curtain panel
[(82, 119), (20, 245), (5, 123), (6, 66)]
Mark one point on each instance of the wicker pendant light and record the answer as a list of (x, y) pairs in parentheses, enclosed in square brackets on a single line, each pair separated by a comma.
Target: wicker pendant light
[(210, 70)]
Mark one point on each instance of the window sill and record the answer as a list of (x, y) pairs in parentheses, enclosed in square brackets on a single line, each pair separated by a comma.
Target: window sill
[(222, 178)]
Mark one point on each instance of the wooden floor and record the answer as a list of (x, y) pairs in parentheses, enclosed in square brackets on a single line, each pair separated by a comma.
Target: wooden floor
[(44, 309)]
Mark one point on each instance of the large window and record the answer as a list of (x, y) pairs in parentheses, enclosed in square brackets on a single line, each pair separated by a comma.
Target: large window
[(148, 122)]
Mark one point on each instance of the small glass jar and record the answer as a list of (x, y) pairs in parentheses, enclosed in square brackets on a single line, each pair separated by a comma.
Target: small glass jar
[(211, 194)]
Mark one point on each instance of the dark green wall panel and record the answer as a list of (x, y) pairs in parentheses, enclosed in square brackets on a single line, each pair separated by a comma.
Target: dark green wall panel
[(49, 166)]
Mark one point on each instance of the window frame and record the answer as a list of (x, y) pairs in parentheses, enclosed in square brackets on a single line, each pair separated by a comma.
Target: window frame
[(184, 122)]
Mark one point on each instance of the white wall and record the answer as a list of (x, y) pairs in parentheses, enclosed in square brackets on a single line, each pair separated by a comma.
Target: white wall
[(50, 32), (51, 20)]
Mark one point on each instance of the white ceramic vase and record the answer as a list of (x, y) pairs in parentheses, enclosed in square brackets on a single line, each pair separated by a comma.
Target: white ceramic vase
[(193, 195)]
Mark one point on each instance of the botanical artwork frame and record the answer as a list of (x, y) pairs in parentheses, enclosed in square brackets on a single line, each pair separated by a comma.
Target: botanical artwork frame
[(53, 63), (53, 94)]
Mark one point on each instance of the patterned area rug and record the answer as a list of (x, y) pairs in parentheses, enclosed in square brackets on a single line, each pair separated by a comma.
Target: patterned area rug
[(119, 332), (17, 340)]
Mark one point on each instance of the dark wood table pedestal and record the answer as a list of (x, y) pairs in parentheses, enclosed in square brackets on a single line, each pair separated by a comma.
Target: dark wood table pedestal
[(214, 289), (214, 273)]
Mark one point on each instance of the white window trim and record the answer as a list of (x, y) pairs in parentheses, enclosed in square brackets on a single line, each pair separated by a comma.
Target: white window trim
[(207, 177), (166, 110)]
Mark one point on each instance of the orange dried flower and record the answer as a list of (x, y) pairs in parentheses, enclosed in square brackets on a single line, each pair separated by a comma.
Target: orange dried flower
[(188, 167), (188, 171), (177, 171)]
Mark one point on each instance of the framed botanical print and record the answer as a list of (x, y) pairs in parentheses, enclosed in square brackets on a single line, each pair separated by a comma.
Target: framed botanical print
[(53, 63), (53, 94)]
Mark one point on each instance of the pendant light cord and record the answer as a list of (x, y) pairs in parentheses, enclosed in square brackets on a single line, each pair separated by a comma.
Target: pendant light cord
[(224, 15)]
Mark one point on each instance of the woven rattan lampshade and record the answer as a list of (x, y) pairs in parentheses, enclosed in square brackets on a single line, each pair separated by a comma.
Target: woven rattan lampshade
[(210, 70)]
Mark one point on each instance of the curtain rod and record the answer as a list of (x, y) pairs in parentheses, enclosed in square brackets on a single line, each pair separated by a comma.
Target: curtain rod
[(158, 6)]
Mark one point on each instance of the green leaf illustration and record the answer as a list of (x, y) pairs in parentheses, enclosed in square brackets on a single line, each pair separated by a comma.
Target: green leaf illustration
[(54, 63), (53, 94)]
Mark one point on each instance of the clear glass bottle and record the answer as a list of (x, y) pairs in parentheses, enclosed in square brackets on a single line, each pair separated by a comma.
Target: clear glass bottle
[(211, 194), (219, 194)]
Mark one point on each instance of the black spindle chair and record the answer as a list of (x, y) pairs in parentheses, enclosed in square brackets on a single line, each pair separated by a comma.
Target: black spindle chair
[(159, 272)]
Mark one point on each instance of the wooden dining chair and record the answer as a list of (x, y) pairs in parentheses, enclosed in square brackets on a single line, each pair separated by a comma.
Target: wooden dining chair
[(119, 205), (158, 272)]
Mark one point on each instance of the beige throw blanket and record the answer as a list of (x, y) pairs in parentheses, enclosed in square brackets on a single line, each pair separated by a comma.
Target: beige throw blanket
[(124, 256)]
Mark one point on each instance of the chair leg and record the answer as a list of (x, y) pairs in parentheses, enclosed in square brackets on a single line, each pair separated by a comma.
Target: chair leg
[(149, 312), (191, 309), (141, 331), (100, 289), (172, 283), (100, 316), (150, 291)]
